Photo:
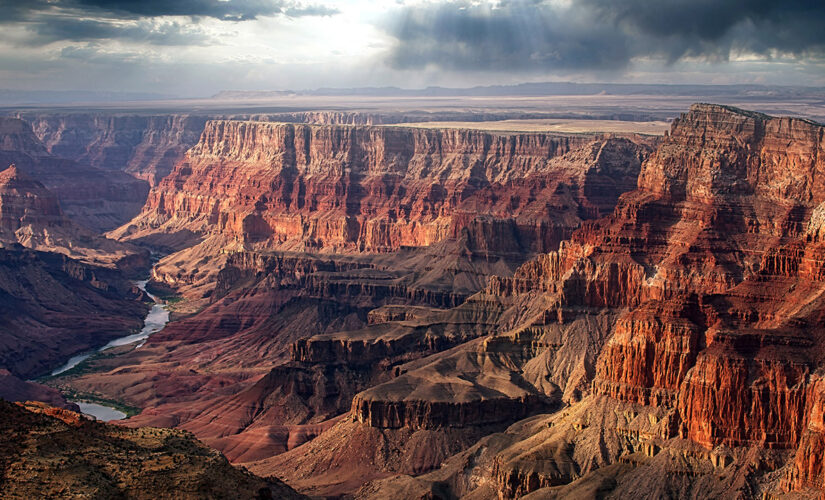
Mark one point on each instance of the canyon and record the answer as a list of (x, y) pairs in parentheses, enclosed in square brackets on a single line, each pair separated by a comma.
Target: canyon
[(370, 311)]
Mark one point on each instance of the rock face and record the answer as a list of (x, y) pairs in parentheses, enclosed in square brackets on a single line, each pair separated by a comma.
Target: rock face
[(53, 307), (30, 215), (378, 189), (683, 331), (308, 188), (96, 198), (145, 146), (52, 452)]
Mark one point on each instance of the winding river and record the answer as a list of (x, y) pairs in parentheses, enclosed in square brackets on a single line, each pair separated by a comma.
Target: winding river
[(155, 321)]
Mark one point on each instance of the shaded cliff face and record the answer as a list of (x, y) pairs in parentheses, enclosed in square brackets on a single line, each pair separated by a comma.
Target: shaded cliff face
[(17, 136), (30, 215), (145, 146), (14, 389), (53, 307), (49, 452), (96, 198)]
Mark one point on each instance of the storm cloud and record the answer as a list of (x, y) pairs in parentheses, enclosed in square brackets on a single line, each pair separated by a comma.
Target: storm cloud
[(536, 35), (199, 47), (143, 21), (235, 10)]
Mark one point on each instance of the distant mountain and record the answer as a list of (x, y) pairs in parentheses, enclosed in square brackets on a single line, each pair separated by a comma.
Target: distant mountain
[(543, 88)]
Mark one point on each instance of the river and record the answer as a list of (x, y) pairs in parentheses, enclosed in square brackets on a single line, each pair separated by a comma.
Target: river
[(155, 321), (100, 412)]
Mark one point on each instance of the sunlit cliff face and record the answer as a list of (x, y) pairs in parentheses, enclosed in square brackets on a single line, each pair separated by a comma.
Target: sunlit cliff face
[(198, 47)]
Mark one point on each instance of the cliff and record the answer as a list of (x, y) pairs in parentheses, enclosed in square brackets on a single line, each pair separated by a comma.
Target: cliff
[(354, 189), (683, 330), (377, 189), (31, 216), (713, 265), (53, 307), (145, 146), (96, 198)]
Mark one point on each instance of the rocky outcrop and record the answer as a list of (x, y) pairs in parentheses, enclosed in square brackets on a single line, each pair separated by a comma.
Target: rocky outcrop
[(53, 452), (428, 414), (343, 189)]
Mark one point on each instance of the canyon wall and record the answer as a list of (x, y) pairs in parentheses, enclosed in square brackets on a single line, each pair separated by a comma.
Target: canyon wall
[(344, 189), (714, 265), (287, 236), (145, 146), (97, 198), (30, 216)]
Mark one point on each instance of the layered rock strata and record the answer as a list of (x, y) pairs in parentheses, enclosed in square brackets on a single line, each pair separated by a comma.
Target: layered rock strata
[(30, 216), (146, 146), (96, 198), (713, 270)]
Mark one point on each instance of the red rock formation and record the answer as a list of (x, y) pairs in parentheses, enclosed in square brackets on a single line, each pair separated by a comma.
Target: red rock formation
[(715, 265), (712, 269), (377, 189)]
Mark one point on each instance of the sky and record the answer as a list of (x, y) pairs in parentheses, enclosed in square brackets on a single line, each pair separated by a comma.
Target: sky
[(192, 48)]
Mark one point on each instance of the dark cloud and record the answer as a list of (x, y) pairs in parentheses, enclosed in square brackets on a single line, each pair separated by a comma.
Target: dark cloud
[(232, 10), (537, 35), (136, 20), (515, 35), (715, 27), (155, 33), (227, 10)]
